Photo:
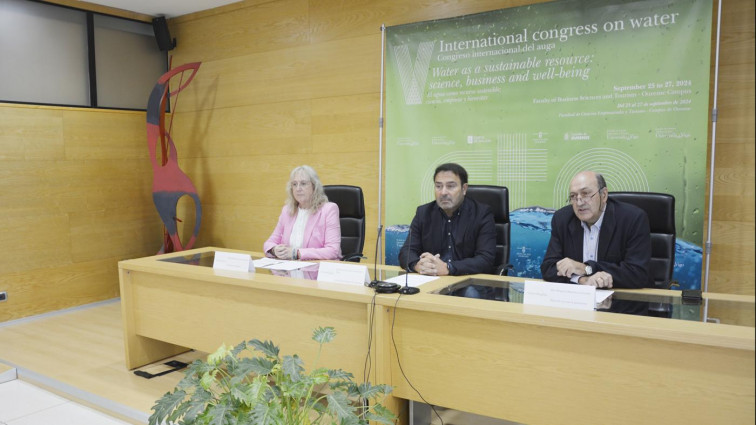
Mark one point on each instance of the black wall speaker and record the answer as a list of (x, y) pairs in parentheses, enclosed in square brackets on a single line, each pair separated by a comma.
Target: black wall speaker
[(162, 35)]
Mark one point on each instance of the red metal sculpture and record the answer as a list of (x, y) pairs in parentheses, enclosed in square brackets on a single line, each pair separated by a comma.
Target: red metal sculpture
[(169, 183)]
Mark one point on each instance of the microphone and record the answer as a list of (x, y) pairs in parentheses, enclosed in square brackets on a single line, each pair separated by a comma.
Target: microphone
[(406, 289), (375, 259), (380, 286)]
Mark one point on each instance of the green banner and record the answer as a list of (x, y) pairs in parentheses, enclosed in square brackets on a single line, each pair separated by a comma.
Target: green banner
[(528, 96)]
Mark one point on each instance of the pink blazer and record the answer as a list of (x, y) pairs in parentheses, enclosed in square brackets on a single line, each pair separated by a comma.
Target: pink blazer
[(322, 235)]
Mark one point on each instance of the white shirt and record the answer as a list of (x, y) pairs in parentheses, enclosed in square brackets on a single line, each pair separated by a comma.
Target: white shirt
[(590, 242), (590, 239), (296, 238)]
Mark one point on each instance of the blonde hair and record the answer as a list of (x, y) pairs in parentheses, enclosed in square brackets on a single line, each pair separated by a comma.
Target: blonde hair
[(318, 194)]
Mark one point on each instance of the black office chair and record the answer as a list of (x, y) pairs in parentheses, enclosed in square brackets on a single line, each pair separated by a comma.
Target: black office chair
[(497, 197), (660, 208), (352, 217)]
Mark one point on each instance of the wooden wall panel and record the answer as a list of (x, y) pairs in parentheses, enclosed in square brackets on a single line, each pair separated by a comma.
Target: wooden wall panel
[(346, 123), (334, 19), (49, 289), (248, 130), (27, 187), (34, 136), (743, 213), (732, 268), (336, 68), (101, 234), (111, 135), (75, 198), (34, 242), (243, 30)]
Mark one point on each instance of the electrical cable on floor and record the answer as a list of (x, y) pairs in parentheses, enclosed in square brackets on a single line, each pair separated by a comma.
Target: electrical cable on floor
[(367, 368), (396, 350), (368, 364)]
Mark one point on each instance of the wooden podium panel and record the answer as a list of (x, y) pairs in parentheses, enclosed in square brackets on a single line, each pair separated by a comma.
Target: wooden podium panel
[(170, 308), (546, 375), (202, 315)]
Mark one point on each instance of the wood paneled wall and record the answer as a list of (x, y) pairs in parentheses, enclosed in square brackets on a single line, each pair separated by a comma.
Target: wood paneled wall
[(283, 83), (74, 200), (732, 237)]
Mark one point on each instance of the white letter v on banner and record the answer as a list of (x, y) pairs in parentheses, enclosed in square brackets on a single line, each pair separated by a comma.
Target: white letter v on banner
[(413, 76)]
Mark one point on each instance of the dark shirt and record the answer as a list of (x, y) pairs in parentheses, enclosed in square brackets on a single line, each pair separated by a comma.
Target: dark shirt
[(470, 233), (448, 253)]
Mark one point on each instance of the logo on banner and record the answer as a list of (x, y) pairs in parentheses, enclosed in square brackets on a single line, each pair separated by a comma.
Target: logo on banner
[(412, 75)]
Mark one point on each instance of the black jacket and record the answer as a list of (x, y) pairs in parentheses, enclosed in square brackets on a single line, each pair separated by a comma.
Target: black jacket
[(624, 248), (474, 237)]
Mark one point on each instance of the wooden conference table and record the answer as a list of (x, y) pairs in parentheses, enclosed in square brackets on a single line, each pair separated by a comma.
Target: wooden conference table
[(523, 363)]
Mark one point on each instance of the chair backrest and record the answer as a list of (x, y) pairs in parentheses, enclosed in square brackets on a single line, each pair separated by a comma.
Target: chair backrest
[(352, 217), (660, 208), (497, 197)]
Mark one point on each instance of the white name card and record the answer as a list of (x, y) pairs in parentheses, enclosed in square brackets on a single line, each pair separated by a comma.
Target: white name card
[(343, 273), (233, 262), (565, 295)]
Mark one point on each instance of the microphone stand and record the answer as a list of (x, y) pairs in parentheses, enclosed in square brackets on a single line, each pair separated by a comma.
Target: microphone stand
[(380, 286), (375, 259), (406, 289)]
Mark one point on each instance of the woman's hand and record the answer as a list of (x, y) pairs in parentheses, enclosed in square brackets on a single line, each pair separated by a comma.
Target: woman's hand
[(282, 251)]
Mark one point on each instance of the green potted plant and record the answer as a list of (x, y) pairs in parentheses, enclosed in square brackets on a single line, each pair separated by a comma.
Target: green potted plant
[(234, 387)]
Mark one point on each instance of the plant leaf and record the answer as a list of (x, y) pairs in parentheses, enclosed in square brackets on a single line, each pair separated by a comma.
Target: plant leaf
[(371, 391), (324, 334), (217, 357), (339, 374), (350, 387), (293, 367), (191, 377), (208, 379), (320, 376), (239, 348), (263, 414), (221, 414), (167, 404), (256, 365), (338, 405), (381, 414), (197, 404), (319, 407), (351, 420), (179, 412), (266, 347), (250, 394)]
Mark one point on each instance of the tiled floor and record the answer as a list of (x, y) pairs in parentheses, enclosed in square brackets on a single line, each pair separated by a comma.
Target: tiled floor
[(24, 404)]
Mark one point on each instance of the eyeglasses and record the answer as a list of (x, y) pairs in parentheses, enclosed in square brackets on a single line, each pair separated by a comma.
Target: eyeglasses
[(301, 184), (577, 198)]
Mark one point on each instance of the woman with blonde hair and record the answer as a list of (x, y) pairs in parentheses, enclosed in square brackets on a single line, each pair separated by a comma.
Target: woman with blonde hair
[(308, 227)]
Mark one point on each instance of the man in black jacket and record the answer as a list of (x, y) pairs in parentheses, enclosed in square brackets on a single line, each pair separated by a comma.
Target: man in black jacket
[(598, 241), (452, 235)]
